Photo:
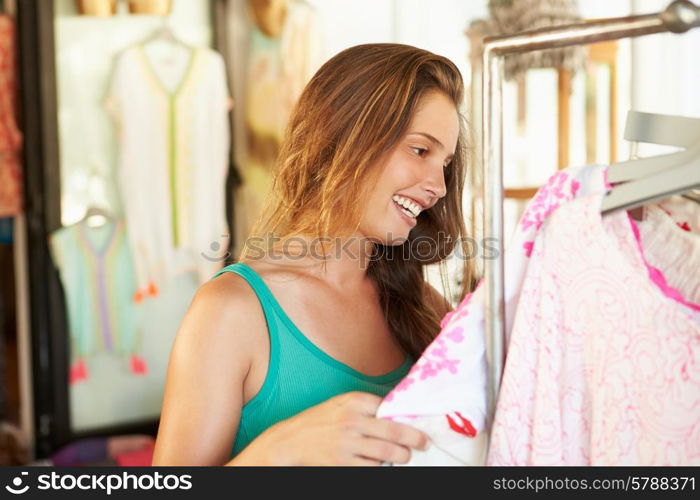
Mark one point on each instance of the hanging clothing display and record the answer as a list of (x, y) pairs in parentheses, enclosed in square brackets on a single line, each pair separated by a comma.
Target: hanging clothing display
[(97, 274), (445, 392), (673, 247), (10, 137), (602, 362), (686, 215), (602, 347), (278, 68), (173, 159)]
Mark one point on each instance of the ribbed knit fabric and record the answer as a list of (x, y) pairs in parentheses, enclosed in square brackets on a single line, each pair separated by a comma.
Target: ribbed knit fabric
[(299, 375)]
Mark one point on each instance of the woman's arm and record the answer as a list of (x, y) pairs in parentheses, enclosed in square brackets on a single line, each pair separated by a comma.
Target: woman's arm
[(210, 360), (208, 365), (342, 430)]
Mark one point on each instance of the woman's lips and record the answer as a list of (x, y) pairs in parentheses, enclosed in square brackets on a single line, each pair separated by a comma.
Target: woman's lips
[(411, 221)]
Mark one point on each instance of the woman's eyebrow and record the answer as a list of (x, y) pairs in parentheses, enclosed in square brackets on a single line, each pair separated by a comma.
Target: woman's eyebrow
[(429, 137), (434, 140)]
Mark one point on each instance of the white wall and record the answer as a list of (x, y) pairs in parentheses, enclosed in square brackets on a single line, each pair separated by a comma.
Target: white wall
[(436, 25), (666, 68), (665, 72)]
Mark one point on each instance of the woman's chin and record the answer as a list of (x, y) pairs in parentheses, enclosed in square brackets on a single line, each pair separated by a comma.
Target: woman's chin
[(393, 237), (388, 235)]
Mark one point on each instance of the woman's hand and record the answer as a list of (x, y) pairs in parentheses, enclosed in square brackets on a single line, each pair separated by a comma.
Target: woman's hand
[(340, 431)]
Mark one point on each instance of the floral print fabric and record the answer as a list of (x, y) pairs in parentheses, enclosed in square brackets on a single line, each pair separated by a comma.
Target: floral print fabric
[(444, 394)]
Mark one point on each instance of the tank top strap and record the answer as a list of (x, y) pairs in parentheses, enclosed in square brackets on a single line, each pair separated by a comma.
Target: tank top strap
[(279, 323), (255, 281), (267, 300)]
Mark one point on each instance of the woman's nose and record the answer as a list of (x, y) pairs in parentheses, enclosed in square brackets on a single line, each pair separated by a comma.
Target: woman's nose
[(435, 183)]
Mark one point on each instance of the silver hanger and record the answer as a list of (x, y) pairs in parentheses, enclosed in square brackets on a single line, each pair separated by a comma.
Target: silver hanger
[(657, 177), (96, 215), (674, 173), (652, 128), (165, 32)]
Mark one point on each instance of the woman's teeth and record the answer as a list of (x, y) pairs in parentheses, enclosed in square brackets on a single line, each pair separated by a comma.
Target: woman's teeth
[(410, 208)]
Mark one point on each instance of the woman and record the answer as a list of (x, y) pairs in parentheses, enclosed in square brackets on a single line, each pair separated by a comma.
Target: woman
[(368, 190)]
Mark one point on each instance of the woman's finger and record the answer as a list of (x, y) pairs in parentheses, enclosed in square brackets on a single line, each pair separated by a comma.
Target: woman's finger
[(383, 451), (394, 432)]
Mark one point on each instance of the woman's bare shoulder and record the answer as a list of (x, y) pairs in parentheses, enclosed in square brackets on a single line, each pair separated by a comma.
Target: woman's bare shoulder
[(230, 298), (223, 296), (210, 360), (227, 312)]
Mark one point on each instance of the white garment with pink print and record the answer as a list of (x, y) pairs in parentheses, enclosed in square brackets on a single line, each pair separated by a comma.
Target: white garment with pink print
[(603, 362), (444, 394), (672, 243)]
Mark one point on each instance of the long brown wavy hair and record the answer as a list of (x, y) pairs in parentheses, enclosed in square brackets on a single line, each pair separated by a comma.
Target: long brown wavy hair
[(348, 118)]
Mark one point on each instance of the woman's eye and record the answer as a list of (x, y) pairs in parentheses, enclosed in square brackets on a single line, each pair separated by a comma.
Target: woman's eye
[(420, 151)]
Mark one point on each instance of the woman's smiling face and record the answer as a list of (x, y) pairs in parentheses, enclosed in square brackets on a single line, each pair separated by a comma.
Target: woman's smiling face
[(412, 177)]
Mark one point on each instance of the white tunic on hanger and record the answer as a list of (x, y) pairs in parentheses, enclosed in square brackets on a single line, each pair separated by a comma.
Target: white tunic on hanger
[(173, 139)]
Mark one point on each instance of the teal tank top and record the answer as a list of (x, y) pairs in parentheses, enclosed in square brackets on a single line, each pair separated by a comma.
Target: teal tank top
[(299, 375)]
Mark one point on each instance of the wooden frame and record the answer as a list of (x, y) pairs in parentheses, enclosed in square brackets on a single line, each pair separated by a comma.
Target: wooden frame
[(603, 54), (38, 110), (564, 77)]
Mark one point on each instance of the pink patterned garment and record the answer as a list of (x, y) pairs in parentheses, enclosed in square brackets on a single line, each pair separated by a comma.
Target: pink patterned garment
[(673, 246), (603, 362), (444, 394)]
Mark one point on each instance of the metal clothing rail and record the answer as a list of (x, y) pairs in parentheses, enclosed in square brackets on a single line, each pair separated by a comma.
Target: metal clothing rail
[(679, 17)]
